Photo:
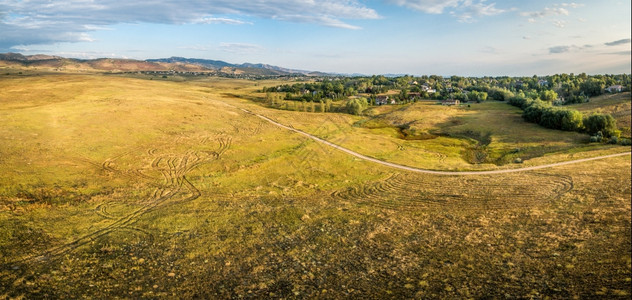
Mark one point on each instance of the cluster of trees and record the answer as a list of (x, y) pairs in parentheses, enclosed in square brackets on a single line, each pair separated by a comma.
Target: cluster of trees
[(335, 88), (549, 116), (314, 91), (559, 89)]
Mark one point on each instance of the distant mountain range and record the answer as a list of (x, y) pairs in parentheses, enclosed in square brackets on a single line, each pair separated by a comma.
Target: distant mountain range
[(179, 64), (218, 65)]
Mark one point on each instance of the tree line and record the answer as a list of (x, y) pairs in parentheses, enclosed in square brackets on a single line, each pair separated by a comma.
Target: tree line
[(600, 126), (560, 89)]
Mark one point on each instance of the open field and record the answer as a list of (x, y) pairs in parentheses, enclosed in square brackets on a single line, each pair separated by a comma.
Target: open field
[(135, 188)]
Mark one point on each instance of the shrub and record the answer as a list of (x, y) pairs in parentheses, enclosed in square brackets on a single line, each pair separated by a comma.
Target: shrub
[(533, 112), (500, 94), (603, 123), (596, 138), (625, 142), (581, 98), (572, 120), (518, 101)]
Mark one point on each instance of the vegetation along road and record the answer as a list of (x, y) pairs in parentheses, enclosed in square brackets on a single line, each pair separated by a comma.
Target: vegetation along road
[(418, 170)]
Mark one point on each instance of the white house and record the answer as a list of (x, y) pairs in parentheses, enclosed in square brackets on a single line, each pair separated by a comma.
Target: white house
[(615, 89)]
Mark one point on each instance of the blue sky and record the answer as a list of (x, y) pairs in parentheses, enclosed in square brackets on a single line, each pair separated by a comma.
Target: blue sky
[(452, 37)]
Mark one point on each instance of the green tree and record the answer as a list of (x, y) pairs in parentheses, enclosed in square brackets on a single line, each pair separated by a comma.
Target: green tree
[(592, 87), (500, 94), (548, 95), (533, 113), (572, 120), (356, 106), (601, 122)]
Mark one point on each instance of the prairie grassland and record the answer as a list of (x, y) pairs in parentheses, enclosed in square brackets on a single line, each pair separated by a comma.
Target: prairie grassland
[(129, 188)]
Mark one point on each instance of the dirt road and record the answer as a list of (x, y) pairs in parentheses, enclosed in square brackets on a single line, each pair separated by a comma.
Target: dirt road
[(418, 170)]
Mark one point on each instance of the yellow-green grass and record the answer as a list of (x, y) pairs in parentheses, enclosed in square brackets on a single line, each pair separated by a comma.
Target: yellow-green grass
[(488, 135), (618, 105), (276, 215)]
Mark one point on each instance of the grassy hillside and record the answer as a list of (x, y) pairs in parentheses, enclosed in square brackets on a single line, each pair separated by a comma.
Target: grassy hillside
[(132, 188), (618, 105)]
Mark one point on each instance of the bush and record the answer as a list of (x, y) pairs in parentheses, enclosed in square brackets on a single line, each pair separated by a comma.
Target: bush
[(603, 123), (499, 94), (533, 113), (572, 120), (613, 140), (551, 118), (581, 98), (596, 138), (520, 101), (625, 142)]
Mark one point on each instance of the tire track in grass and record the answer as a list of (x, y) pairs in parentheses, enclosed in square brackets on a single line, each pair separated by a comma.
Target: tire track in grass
[(173, 169), (410, 191)]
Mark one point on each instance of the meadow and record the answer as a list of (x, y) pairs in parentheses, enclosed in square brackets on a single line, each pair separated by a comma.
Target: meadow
[(121, 187)]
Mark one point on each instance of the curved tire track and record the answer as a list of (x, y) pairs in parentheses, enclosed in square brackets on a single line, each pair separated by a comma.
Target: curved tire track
[(410, 191), (177, 189)]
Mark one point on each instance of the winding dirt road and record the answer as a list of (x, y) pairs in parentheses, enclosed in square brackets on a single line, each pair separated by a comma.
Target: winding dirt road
[(418, 170)]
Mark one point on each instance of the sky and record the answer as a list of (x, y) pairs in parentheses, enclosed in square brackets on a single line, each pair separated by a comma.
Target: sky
[(416, 37)]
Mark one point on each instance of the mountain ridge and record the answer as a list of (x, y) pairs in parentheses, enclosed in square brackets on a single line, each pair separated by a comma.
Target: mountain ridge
[(174, 63)]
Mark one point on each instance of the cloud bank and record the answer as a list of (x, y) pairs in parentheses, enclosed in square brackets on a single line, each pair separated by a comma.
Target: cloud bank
[(47, 22), (464, 10)]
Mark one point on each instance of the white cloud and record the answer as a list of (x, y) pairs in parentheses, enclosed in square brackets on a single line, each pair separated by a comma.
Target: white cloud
[(470, 11), (464, 10), (229, 21), (241, 48), (559, 23), (428, 6), (555, 11), (572, 5), (46, 22)]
